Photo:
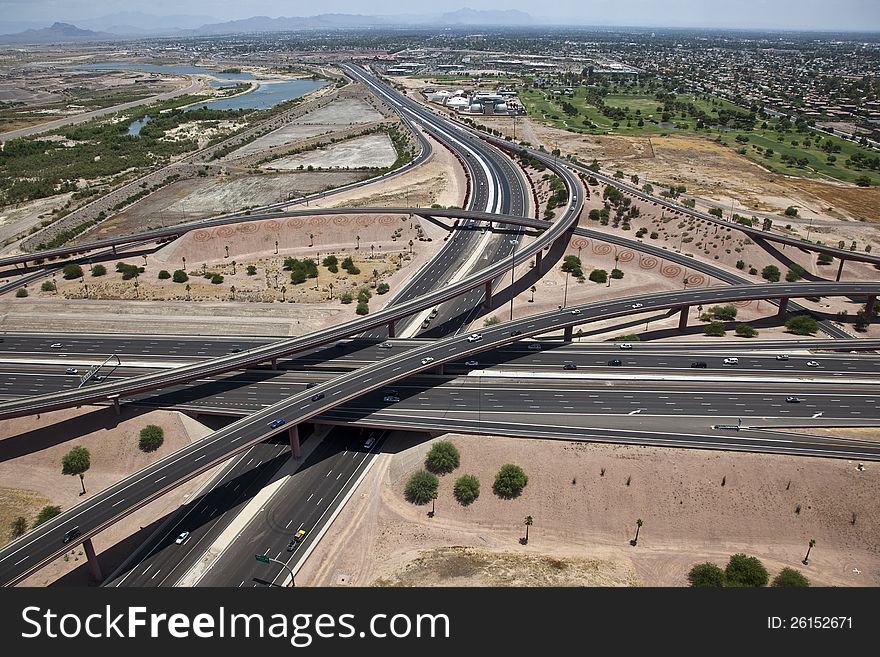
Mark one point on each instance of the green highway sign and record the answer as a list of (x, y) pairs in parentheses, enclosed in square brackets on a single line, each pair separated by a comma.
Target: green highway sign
[(262, 558)]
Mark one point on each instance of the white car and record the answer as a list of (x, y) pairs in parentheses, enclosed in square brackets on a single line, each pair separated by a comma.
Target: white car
[(637, 305), (624, 345), (180, 540), (426, 360), (471, 363), (473, 337), (393, 399), (731, 361), (535, 346), (55, 345), (812, 363), (386, 345), (71, 370), (576, 311)]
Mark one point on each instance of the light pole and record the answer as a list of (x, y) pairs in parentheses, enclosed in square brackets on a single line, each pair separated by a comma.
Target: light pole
[(565, 294), (512, 267), (262, 558)]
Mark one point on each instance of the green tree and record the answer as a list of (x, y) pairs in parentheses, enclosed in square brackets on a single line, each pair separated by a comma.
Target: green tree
[(789, 577), (706, 575), (99, 270), (466, 489), (331, 263), (382, 288), (491, 321), (714, 329), (298, 276), (791, 211), (21, 293), (825, 259), (72, 271), (345, 298), (46, 513), (164, 274), (770, 273), (616, 274), (76, 462), (745, 331), (599, 276), (442, 458), (251, 270), (151, 438), (180, 276), (725, 313), (18, 527), (794, 274), (48, 286), (802, 325), (745, 571), (216, 279), (528, 521), (421, 487), (510, 481), (362, 309)]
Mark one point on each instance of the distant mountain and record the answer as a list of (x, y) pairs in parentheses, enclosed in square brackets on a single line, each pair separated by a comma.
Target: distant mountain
[(123, 21), (57, 32), (292, 23), (488, 17)]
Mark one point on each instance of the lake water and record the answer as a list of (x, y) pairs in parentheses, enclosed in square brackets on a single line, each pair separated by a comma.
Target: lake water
[(267, 95), (135, 128)]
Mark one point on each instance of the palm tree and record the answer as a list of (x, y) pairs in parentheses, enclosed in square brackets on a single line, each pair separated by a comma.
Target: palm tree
[(639, 524), (331, 289), (534, 289), (227, 252), (232, 289), (76, 462), (276, 247), (806, 560), (372, 250), (283, 291), (410, 247), (311, 240), (358, 238), (188, 288), (233, 267), (184, 261), (528, 523)]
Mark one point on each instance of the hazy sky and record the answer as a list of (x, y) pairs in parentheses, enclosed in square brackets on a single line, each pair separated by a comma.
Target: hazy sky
[(776, 14)]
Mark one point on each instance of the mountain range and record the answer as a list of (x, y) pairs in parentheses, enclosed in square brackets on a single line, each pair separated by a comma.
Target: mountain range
[(136, 24)]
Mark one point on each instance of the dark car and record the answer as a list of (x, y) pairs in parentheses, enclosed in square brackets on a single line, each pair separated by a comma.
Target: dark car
[(516, 332), (317, 397), (311, 384), (615, 361), (71, 534), (699, 363), (569, 366), (274, 424)]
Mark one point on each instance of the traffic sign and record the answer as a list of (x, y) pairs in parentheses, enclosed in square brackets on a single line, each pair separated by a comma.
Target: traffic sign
[(262, 558)]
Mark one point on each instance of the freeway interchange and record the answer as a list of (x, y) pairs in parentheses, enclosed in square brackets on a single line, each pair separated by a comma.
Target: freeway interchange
[(352, 397)]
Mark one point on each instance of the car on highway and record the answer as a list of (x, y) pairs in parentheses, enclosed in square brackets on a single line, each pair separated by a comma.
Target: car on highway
[(392, 399), (311, 384), (426, 360), (516, 332), (55, 345), (71, 370), (535, 346), (181, 539), (731, 361), (781, 356), (318, 396), (274, 424), (70, 534), (576, 311), (369, 442), (569, 366), (793, 400), (637, 305), (474, 337), (471, 363), (235, 350), (386, 345), (624, 345), (426, 323), (296, 540), (99, 377), (615, 361), (699, 363), (812, 363), (341, 343), (434, 313)]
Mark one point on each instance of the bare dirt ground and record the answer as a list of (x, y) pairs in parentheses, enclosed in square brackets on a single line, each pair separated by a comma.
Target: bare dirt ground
[(584, 520), (19, 219), (30, 468), (367, 151)]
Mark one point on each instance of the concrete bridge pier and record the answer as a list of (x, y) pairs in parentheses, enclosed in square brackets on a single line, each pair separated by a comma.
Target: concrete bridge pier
[(293, 435), (92, 559), (683, 318), (538, 258), (116, 408), (391, 332), (487, 302), (869, 308), (783, 307), (274, 363), (840, 270), (568, 333)]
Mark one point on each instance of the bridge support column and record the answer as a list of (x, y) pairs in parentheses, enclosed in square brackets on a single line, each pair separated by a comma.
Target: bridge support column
[(683, 318), (92, 559), (391, 332), (869, 308), (783, 306), (488, 300), (439, 369), (274, 363), (568, 334), (116, 409), (538, 258), (840, 270), (293, 435)]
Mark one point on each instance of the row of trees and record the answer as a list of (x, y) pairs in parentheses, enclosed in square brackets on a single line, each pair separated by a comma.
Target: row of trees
[(744, 571)]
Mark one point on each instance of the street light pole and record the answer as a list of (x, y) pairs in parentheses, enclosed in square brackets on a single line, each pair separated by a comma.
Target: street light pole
[(262, 558), (565, 294), (512, 267)]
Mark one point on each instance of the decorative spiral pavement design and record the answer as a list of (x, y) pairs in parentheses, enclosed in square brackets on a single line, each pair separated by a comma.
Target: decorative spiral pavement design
[(671, 271), (601, 249), (388, 220), (226, 231), (695, 280), (294, 222), (647, 262), (249, 228), (580, 243), (625, 256), (202, 236), (365, 221)]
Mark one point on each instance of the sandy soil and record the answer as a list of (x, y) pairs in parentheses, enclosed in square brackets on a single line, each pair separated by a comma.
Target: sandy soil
[(30, 468), (367, 151), (583, 520), (17, 220)]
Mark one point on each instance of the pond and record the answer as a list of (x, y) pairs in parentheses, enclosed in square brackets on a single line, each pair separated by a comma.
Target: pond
[(135, 128)]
